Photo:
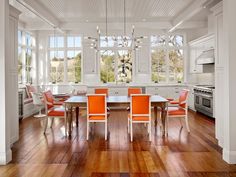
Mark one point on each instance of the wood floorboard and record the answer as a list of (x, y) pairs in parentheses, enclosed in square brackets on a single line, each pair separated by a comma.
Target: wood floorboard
[(180, 154)]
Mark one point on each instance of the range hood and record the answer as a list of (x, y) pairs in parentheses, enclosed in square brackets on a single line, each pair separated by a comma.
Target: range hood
[(207, 57)]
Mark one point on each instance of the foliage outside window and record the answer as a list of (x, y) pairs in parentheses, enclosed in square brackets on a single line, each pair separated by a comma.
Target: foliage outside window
[(56, 66), (65, 59), (116, 60), (158, 65), (74, 66), (167, 58), (107, 73), (26, 57), (124, 73)]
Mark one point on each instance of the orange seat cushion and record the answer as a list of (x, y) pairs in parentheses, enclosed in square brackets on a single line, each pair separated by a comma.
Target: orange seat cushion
[(139, 118), (58, 103), (57, 111), (174, 102), (175, 111), (96, 117)]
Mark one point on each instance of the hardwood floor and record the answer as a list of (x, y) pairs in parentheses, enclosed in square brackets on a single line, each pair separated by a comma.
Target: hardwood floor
[(178, 155)]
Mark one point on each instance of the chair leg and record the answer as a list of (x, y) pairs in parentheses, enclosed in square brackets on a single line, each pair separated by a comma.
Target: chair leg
[(181, 123), (186, 120), (128, 126), (150, 130), (52, 121), (131, 131), (167, 124), (87, 130), (45, 124), (65, 124), (106, 130)]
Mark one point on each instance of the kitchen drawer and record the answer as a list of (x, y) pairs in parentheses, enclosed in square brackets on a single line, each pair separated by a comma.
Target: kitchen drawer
[(118, 91)]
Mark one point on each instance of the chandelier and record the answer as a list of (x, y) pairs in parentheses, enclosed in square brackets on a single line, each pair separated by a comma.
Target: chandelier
[(133, 42)]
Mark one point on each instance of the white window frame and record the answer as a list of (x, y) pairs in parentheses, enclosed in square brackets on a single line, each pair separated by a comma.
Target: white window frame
[(65, 49), (24, 48), (167, 49), (115, 49)]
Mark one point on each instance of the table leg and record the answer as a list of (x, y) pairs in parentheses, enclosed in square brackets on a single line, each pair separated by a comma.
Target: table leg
[(163, 118), (70, 120), (155, 116), (77, 116)]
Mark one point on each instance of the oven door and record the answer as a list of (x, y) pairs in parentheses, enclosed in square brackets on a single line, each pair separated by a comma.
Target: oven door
[(207, 104), (203, 103)]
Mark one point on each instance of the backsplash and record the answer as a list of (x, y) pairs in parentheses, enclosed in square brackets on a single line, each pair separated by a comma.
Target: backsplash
[(202, 79)]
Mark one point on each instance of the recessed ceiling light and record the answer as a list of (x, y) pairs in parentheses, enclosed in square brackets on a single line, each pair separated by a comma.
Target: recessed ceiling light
[(144, 19), (87, 20)]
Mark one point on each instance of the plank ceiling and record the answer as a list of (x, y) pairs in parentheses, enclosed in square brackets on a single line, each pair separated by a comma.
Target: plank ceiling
[(94, 10)]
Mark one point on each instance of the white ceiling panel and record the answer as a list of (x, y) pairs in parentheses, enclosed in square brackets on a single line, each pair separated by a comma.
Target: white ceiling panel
[(94, 10)]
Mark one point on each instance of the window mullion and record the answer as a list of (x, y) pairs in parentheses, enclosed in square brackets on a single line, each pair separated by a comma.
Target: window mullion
[(65, 60)]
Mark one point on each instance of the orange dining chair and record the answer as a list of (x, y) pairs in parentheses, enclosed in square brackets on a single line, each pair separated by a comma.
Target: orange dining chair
[(101, 91), (181, 110), (140, 112), (53, 110), (96, 111), (133, 90)]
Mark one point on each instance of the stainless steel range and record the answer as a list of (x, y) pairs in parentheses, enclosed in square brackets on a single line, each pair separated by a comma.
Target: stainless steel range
[(204, 99)]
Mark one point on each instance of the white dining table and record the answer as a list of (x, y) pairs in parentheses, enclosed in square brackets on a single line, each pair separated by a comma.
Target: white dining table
[(157, 102)]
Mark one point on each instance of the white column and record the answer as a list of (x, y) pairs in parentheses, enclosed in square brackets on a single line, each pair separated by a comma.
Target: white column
[(229, 29), (5, 151)]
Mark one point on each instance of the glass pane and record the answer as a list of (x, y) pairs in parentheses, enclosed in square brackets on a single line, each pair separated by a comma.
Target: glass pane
[(176, 66), (158, 65), (124, 70), (157, 41), (20, 65), (28, 39), (124, 42), (70, 42), (52, 42), (78, 42), (19, 37), (107, 42), (28, 65), (74, 66), (176, 41), (56, 66), (107, 65), (60, 42)]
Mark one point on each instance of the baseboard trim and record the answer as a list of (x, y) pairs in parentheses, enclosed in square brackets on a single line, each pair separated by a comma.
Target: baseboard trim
[(229, 156), (5, 157)]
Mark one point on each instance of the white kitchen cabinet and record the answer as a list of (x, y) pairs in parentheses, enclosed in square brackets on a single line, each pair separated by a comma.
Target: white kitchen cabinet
[(120, 91), (162, 91), (191, 98), (165, 91), (196, 47)]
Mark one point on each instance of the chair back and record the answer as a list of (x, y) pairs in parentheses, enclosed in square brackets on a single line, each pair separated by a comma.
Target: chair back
[(101, 91), (48, 99), (36, 98), (183, 97), (30, 89), (134, 91), (140, 104), (96, 104)]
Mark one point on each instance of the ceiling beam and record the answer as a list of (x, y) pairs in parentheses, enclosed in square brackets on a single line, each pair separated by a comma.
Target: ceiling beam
[(39, 10), (185, 15)]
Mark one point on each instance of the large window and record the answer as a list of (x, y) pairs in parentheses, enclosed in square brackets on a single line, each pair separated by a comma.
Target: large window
[(26, 57), (107, 66), (65, 59), (167, 58), (116, 60)]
